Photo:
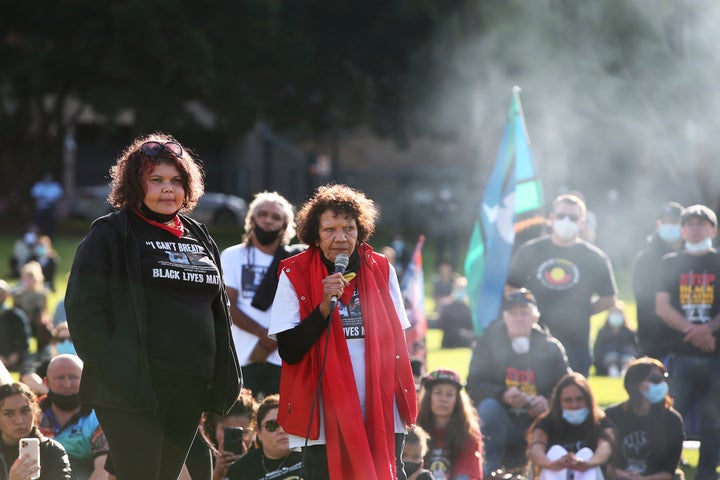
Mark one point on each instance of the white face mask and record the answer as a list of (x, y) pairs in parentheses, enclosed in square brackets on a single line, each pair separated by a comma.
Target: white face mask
[(566, 228), (670, 232), (616, 319), (520, 344), (700, 246)]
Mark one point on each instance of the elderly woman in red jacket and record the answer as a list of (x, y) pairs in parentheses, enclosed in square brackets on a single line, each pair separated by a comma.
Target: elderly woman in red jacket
[(346, 390)]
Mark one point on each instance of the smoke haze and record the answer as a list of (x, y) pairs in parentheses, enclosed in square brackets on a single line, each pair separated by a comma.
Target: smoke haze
[(619, 100)]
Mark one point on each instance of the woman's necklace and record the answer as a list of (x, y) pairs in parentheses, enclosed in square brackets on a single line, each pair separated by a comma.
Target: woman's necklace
[(262, 460)]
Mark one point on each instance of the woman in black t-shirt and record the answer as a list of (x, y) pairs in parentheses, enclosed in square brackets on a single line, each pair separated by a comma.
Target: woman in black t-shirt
[(149, 315), (574, 435), (648, 431)]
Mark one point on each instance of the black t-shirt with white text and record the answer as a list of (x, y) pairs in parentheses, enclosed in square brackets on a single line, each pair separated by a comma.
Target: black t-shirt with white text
[(180, 282)]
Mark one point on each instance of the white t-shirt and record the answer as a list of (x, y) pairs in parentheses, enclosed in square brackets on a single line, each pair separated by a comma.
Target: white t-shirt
[(285, 315), (243, 270)]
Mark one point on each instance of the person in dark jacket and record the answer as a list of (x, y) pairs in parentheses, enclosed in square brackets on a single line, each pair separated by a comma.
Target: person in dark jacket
[(514, 367), (615, 346), (654, 337), (149, 315), (19, 414)]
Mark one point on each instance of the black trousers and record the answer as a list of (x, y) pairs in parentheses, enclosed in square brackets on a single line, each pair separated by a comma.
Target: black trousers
[(153, 445), (316, 462)]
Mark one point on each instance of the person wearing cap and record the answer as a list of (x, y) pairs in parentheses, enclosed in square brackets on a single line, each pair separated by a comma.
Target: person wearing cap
[(515, 365), (570, 278), (447, 414), (652, 333), (687, 302)]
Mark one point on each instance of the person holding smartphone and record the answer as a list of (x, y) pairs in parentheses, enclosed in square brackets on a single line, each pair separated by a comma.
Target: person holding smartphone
[(272, 458), (19, 414)]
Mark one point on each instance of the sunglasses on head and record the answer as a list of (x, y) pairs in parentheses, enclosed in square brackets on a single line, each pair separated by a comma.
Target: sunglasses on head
[(271, 425), (657, 377), (152, 148), (571, 216)]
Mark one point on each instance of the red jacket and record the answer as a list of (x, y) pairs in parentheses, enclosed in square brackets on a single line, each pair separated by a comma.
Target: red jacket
[(355, 449)]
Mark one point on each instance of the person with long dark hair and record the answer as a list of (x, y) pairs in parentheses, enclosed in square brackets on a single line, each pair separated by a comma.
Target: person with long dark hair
[(648, 431), (19, 417), (448, 415), (572, 435), (149, 315)]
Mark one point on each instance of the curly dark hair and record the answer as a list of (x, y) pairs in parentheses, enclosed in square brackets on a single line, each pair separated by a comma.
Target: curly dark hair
[(340, 199), (126, 175)]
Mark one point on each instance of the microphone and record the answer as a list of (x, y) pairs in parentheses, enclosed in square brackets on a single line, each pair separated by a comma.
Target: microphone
[(341, 263)]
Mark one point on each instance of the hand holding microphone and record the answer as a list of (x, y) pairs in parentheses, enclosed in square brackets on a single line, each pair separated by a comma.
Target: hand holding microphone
[(341, 263)]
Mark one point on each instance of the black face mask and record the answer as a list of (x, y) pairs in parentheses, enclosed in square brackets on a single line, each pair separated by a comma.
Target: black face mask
[(264, 237), (154, 216), (64, 402), (411, 467)]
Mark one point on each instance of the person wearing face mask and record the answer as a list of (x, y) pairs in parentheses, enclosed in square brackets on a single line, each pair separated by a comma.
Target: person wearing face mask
[(515, 365), (687, 302), (573, 435), (652, 334), (74, 426), (250, 272), (615, 345), (414, 451), (571, 279), (648, 431)]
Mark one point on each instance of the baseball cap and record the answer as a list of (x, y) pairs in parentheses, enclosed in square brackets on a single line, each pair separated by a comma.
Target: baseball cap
[(519, 297), (698, 211), (442, 376), (670, 210)]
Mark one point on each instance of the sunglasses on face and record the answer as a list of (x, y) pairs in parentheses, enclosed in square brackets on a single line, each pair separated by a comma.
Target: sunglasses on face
[(571, 216), (657, 377), (152, 149), (271, 425)]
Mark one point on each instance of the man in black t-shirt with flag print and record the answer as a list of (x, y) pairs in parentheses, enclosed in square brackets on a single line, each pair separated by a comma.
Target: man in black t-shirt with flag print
[(570, 278)]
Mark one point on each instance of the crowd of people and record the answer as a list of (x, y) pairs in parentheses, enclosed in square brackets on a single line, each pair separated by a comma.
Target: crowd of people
[(279, 360)]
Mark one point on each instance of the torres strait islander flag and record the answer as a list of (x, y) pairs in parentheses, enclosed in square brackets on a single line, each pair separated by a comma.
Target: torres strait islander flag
[(513, 194)]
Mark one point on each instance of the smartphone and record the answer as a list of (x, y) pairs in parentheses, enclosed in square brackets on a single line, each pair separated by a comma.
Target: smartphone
[(234, 440), (31, 446)]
